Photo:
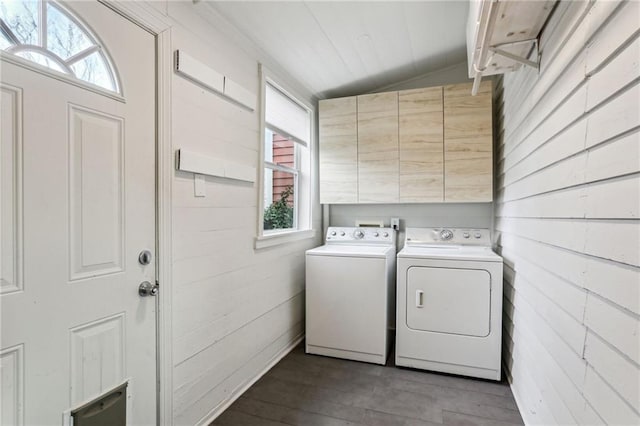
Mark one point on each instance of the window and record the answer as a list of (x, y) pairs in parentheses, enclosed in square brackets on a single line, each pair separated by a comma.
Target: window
[(286, 183), (47, 34)]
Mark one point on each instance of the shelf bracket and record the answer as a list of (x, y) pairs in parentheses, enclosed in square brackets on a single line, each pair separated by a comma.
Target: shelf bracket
[(524, 61)]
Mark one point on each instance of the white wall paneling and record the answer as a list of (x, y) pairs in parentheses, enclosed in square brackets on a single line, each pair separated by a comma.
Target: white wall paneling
[(239, 94), (233, 308), (196, 395), (567, 218)]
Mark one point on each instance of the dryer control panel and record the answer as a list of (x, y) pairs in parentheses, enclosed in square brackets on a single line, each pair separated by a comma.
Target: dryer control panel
[(361, 235), (448, 236)]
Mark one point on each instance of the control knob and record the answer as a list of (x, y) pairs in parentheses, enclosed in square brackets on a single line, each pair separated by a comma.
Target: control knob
[(446, 234), (376, 234), (358, 234), (386, 234), (342, 234), (333, 233)]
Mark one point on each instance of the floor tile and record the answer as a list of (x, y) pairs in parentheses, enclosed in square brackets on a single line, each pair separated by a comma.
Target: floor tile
[(312, 390), (457, 419)]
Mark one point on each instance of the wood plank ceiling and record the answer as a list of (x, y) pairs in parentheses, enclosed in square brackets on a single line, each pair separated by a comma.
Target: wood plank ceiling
[(339, 48)]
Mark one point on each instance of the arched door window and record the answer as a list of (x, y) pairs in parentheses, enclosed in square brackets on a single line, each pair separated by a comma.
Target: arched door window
[(46, 33)]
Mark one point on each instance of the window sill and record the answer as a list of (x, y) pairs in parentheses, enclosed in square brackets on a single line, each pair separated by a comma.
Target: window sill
[(275, 239)]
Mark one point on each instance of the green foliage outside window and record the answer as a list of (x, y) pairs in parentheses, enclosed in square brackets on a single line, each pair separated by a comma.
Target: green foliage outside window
[(279, 215)]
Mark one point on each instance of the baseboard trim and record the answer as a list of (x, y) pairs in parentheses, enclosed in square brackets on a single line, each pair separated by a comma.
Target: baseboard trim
[(242, 389), (520, 406)]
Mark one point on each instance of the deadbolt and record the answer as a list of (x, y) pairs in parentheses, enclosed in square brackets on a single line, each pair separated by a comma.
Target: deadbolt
[(144, 257), (147, 289)]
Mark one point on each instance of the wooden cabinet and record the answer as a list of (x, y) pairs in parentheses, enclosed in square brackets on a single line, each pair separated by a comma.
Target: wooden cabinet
[(468, 142), (378, 164), (338, 157), (421, 145), (413, 146)]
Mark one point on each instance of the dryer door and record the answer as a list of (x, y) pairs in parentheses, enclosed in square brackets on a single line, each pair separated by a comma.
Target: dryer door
[(452, 301)]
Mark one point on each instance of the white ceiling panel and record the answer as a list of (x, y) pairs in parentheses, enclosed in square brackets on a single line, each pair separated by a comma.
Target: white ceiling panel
[(339, 48)]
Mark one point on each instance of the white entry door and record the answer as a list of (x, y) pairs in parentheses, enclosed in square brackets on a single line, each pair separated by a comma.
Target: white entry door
[(77, 207)]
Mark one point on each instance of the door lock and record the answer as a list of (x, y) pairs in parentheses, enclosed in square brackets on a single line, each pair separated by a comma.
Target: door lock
[(147, 289), (144, 258)]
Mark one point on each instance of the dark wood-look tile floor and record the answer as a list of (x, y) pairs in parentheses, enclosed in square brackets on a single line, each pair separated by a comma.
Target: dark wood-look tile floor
[(310, 390)]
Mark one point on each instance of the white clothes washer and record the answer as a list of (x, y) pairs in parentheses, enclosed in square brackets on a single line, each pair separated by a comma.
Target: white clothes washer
[(350, 286), (449, 302)]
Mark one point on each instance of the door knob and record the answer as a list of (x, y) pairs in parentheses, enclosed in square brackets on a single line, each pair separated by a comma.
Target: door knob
[(147, 289)]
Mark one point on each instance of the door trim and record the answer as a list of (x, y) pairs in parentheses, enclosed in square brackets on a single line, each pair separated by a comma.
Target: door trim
[(164, 167), (159, 25)]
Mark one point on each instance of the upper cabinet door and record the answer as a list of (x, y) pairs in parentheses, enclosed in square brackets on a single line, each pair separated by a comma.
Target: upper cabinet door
[(338, 131), (378, 163), (468, 142), (421, 145)]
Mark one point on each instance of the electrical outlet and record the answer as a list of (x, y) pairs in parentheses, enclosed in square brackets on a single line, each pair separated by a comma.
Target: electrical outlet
[(395, 223)]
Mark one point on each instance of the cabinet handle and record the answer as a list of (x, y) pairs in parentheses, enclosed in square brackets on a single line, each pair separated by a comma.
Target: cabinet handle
[(419, 297)]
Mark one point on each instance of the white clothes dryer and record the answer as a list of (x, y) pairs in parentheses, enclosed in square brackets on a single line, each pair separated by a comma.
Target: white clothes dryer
[(449, 302), (350, 286)]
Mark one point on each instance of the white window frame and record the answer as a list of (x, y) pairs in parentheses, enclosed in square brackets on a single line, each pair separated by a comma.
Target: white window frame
[(303, 226), (295, 171), (11, 53)]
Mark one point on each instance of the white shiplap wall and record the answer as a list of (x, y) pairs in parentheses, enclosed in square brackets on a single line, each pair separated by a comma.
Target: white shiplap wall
[(567, 218), (234, 308)]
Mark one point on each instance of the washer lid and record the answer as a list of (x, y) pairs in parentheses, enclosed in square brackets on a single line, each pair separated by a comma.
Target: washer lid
[(352, 250), (472, 253)]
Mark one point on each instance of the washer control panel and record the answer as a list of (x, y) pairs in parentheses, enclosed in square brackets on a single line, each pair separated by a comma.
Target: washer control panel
[(361, 235), (448, 236)]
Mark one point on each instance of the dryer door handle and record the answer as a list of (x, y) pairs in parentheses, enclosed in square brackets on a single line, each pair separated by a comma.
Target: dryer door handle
[(419, 299)]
